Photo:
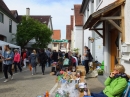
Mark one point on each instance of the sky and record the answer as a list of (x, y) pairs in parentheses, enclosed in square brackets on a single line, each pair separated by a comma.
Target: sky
[(60, 10)]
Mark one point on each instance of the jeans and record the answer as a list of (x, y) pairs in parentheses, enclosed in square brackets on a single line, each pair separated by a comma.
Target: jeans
[(34, 69), (101, 94), (24, 62), (86, 65), (83, 63), (43, 67), (49, 61), (7, 68), (15, 66)]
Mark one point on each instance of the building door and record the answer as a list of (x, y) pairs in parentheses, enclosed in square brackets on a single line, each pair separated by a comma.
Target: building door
[(113, 46)]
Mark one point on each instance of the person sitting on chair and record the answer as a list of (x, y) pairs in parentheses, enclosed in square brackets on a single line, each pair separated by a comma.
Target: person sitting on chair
[(115, 84)]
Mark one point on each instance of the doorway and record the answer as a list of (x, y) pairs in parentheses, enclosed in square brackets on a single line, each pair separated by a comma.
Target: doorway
[(114, 35)]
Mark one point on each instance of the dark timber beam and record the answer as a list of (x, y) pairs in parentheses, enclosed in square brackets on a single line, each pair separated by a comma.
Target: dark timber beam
[(111, 18), (98, 33), (96, 29), (115, 25)]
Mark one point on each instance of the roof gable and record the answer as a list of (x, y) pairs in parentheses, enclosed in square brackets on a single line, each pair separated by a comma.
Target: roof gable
[(43, 19), (6, 10), (56, 35)]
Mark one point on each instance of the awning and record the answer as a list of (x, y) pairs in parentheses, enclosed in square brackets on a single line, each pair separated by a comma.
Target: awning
[(104, 12)]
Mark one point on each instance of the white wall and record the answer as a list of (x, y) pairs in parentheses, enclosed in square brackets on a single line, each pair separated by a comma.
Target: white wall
[(104, 3), (127, 34), (72, 40), (55, 48), (78, 37), (4, 28), (87, 33), (127, 21)]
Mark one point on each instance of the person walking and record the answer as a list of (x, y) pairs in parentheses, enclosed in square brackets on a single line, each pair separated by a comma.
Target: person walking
[(17, 61), (7, 57), (43, 59), (49, 57), (33, 61), (55, 56), (24, 58), (86, 59)]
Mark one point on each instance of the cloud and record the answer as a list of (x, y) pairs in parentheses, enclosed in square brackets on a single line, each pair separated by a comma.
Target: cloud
[(60, 10)]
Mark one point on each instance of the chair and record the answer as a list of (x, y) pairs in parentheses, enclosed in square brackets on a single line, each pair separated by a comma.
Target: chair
[(127, 91)]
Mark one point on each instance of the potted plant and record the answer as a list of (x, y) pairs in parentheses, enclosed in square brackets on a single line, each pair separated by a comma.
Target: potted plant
[(76, 51), (100, 72)]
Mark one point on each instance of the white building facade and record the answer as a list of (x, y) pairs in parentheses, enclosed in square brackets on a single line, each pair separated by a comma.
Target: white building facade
[(8, 24), (88, 7), (111, 19)]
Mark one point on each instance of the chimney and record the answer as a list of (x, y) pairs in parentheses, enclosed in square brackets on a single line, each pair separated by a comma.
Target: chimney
[(27, 12)]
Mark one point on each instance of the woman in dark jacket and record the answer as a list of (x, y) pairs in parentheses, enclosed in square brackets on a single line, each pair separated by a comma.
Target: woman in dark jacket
[(33, 58), (43, 59)]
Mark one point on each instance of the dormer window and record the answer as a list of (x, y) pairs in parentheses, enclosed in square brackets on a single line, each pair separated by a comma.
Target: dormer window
[(15, 15)]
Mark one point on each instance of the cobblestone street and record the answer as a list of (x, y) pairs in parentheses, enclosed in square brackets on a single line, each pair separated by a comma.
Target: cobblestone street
[(26, 85)]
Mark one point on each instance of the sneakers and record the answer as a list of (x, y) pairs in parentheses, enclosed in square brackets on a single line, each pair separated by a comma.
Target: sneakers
[(12, 78), (6, 80), (32, 74), (24, 66)]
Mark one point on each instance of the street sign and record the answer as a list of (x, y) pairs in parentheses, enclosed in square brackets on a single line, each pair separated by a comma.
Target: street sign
[(60, 41)]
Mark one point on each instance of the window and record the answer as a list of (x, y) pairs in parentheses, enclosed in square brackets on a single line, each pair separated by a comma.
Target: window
[(10, 25), (55, 45), (1, 17)]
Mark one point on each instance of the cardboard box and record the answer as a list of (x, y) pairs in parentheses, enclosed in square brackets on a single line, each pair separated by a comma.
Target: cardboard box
[(82, 70)]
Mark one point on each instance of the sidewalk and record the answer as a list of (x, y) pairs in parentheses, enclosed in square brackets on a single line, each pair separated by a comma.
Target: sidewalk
[(94, 85), (26, 85)]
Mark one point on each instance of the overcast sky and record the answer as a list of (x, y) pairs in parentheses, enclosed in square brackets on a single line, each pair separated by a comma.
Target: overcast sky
[(60, 10)]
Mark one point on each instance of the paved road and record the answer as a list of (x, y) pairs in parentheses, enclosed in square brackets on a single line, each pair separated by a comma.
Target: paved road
[(26, 85)]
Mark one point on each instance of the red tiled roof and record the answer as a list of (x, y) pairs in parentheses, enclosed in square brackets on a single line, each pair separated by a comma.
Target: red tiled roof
[(68, 32), (41, 18), (78, 16), (6, 10), (56, 35), (72, 21)]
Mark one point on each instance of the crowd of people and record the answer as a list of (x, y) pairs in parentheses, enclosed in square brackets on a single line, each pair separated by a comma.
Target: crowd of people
[(18, 60), (115, 83)]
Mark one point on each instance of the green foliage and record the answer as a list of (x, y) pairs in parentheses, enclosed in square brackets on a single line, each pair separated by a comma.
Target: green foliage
[(76, 50), (30, 29)]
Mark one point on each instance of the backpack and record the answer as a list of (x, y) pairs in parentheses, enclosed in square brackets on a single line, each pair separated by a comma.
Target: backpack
[(73, 60), (66, 62)]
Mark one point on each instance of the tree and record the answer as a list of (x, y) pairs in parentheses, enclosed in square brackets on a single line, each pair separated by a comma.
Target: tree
[(29, 29)]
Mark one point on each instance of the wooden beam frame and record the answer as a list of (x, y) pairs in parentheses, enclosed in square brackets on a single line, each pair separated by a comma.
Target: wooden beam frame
[(98, 33), (111, 18), (115, 25), (122, 24), (96, 29), (104, 33)]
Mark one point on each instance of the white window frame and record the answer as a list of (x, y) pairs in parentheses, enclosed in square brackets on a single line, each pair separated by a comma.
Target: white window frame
[(99, 4), (10, 25)]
